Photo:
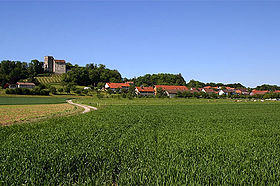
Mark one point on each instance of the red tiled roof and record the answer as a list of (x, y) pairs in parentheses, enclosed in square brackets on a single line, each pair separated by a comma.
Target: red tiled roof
[(259, 92), (118, 85), (145, 89), (207, 87), (23, 83), (229, 88), (59, 61), (193, 90), (129, 82), (172, 88), (208, 90), (277, 91)]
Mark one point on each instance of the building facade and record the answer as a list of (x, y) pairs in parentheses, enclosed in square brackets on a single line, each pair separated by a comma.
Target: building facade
[(25, 85), (54, 65)]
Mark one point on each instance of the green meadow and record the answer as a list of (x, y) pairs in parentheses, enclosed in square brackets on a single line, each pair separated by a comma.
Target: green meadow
[(147, 142)]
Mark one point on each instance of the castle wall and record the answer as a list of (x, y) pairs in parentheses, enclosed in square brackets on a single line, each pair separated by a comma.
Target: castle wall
[(48, 63), (52, 65), (60, 68)]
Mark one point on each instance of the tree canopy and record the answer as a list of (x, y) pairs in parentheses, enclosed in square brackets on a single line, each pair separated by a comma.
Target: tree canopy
[(198, 84), (92, 74), (268, 87), (159, 79), (13, 71)]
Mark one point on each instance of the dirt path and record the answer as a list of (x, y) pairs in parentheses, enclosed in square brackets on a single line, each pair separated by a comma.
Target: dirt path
[(86, 107)]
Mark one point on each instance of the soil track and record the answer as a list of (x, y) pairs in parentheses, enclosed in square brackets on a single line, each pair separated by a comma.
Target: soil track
[(86, 107)]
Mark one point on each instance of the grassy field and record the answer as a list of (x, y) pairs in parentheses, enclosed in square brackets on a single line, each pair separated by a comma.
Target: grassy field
[(148, 142), (10, 114), (30, 100)]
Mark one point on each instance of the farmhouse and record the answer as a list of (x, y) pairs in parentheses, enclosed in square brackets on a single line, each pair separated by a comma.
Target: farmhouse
[(194, 90), (208, 91), (171, 90), (25, 85), (258, 92), (227, 92), (145, 91), (243, 91), (115, 86)]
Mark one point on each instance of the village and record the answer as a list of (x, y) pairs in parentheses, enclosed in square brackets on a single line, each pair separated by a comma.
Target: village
[(53, 76), (172, 90)]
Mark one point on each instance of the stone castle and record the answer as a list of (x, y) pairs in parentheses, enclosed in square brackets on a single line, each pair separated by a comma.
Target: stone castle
[(54, 65)]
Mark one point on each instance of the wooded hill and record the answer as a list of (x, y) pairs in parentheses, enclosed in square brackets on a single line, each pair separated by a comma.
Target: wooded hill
[(97, 75)]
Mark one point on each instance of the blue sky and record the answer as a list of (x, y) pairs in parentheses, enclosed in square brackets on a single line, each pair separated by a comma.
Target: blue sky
[(209, 41)]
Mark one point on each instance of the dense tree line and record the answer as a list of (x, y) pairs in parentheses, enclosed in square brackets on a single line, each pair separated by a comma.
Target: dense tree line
[(13, 71), (159, 79), (198, 84), (92, 74), (268, 87)]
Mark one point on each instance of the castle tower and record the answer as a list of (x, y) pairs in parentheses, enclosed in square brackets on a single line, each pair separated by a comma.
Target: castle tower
[(48, 63)]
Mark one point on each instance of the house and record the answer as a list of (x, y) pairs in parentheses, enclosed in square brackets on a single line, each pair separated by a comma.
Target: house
[(193, 90), (129, 82), (229, 88), (25, 85), (145, 91), (208, 91), (12, 86), (170, 90), (115, 86), (199, 89), (207, 87), (226, 92), (277, 91), (258, 92), (222, 92), (243, 91)]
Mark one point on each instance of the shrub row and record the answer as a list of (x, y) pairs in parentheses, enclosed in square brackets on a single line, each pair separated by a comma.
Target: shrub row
[(26, 91)]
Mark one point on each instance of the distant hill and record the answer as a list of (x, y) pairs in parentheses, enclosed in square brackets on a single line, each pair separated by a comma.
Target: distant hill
[(54, 78)]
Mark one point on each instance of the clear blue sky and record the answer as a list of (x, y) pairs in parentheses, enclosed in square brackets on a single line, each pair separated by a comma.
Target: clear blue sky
[(210, 41)]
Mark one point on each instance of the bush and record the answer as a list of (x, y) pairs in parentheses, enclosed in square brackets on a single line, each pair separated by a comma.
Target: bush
[(26, 91), (60, 90), (18, 91), (67, 89), (10, 91), (78, 91), (44, 92), (110, 91), (53, 90), (99, 96)]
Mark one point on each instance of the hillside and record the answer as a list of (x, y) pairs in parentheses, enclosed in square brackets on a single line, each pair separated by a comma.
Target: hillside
[(54, 78)]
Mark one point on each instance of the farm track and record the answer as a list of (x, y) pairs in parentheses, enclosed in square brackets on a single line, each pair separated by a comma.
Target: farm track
[(86, 107)]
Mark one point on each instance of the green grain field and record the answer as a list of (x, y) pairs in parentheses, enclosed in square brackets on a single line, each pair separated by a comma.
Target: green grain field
[(30, 100), (147, 142)]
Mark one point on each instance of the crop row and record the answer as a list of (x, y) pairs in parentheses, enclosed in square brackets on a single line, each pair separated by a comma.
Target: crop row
[(50, 79), (147, 145)]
